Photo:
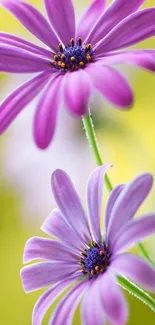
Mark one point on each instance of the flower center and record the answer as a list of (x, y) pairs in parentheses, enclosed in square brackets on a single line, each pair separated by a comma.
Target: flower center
[(73, 57), (95, 259)]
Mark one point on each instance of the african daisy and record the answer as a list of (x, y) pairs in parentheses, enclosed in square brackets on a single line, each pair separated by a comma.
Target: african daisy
[(77, 59), (84, 259)]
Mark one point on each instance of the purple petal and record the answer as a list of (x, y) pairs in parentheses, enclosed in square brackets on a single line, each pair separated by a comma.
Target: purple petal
[(89, 18), (94, 198), (47, 298), (77, 92), (128, 203), (67, 306), (111, 85), (55, 225), (15, 60), (136, 269), (22, 44), (92, 309), (33, 20), (141, 58), (70, 205), (62, 17), (20, 98), (118, 10), (132, 30), (133, 232), (113, 300), (110, 203), (40, 275), (46, 114), (41, 248)]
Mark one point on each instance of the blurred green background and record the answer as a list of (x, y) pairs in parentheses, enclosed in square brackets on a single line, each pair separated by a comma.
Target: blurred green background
[(126, 139)]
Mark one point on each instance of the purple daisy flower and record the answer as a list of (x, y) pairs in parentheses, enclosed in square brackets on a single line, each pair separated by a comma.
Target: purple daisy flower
[(77, 60), (85, 259)]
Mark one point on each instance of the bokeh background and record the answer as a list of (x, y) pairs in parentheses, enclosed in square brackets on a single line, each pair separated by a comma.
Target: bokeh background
[(126, 138)]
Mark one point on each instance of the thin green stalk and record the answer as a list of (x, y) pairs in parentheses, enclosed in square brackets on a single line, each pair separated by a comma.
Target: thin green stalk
[(90, 133), (137, 292), (144, 252), (125, 283)]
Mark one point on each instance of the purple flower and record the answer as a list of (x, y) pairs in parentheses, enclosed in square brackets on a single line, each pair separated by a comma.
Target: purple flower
[(84, 258), (78, 58)]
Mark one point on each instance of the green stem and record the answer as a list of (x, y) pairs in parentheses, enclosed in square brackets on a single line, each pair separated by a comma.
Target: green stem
[(137, 292), (125, 283), (90, 133), (144, 253)]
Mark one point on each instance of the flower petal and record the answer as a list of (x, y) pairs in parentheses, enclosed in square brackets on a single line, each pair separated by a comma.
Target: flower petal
[(113, 300), (55, 225), (67, 306), (141, 58), (42, 248), (89, 18), (47, 299), (111, 84), (136, 269), (46, 113), (92, 309), (94, 198), (33, 20), (40, 275), (70, 205), (23, 44), (62, 17), (128, 203), (15, 60), (132, 30), (20, 98), (110, 203), (77, 92), (133, 232), (117, 11)]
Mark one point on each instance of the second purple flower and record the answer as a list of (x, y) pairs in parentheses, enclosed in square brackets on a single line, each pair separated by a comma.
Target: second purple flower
[(82, 257)]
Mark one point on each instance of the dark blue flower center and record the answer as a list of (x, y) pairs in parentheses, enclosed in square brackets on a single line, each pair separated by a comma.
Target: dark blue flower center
[(73, 57), (95, 259)]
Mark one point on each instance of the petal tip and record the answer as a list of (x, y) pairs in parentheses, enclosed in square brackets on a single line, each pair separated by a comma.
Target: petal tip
[(127, 102), (56, 174), (41, 143), (147, 178)]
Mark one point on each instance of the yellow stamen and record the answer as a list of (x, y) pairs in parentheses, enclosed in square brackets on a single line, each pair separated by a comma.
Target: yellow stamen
[(92, 272), (81, 64), (97, 268), (59, 63), (72, 58), (72, 41), (101, 252), (63, 65), (60, 47), (88, 47), (55, 57), (83, 254), (93, 244), (88, 56), (63, 56), (80, 41)]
